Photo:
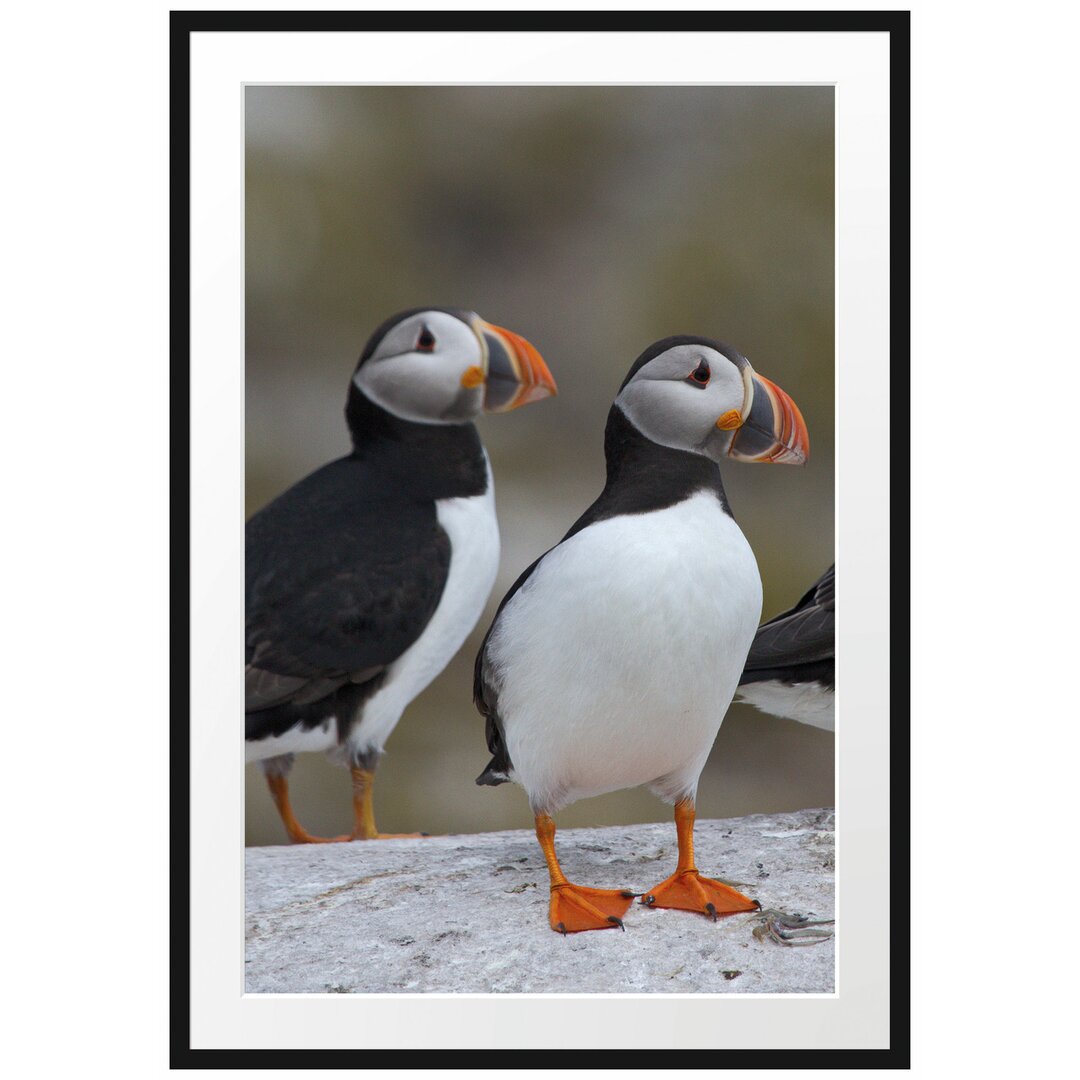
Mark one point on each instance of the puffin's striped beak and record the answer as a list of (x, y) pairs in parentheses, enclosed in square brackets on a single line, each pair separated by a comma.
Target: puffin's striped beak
[(772, 428), (516, 372)]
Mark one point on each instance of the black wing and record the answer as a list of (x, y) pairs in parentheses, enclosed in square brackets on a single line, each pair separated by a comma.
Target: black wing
[(486, 697), (803, 635), (343, 574)]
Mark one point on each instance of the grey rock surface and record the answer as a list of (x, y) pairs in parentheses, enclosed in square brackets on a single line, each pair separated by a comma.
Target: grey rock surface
[(469, 913)]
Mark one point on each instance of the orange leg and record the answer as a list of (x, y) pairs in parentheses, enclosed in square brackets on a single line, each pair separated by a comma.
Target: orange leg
[(279, 792), (686, 889), (363, 783), (363, 786), (574, 907)]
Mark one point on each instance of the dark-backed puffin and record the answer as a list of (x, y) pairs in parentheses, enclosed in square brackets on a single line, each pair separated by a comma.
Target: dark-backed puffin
[(790, 669), (365, 578), (612, 659)]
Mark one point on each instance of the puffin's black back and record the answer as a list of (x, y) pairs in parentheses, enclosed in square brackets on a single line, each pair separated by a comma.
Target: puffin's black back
[(346, 568)]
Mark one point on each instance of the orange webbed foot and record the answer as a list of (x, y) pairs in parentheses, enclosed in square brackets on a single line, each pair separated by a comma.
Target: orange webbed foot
[(574, 908), (687, 890), (302, 836)]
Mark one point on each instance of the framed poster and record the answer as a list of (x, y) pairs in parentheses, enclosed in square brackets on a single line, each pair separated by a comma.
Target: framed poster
[(596, 182)]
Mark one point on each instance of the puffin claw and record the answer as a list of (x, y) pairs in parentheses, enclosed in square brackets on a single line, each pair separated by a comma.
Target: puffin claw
[(576, 907), (689, 891)]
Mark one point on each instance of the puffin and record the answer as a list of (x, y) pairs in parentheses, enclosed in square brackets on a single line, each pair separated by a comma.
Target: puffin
[(790, 669), (364, 579), (612, 659)]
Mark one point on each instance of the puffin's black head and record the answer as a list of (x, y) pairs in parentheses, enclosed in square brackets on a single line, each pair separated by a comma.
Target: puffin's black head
[(444, 366), (700, 395)]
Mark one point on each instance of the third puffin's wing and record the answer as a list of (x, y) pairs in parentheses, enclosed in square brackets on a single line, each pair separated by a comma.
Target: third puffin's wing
[(801, 635)]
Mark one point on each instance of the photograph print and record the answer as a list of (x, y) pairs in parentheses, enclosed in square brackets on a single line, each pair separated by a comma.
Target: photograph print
[(539, 657)]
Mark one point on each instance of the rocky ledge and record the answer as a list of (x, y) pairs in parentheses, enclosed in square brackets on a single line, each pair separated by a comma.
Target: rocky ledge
[(468, 914)]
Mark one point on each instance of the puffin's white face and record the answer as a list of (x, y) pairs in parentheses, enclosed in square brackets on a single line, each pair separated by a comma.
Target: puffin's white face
[(695, 397), (433, 367)]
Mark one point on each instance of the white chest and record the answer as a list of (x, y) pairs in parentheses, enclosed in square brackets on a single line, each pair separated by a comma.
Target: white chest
[(622, 652), (473, 529)]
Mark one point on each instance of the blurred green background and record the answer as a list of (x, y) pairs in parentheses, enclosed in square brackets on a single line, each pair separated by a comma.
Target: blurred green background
[(592, 220)]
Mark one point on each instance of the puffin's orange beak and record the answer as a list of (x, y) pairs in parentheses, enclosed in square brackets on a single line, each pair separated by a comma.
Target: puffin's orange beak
[(772, 429), (516, 372)]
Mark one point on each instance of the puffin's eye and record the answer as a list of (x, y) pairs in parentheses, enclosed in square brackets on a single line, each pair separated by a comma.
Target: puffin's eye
[(700, 375), (426, 341)]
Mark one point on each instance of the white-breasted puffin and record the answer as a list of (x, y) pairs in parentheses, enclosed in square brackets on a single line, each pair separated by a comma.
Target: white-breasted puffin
[(365, 578), (613, 658), (790, 671)]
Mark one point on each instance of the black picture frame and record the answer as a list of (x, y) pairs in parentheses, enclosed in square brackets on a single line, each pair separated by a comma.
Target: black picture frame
[(896, 24)]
